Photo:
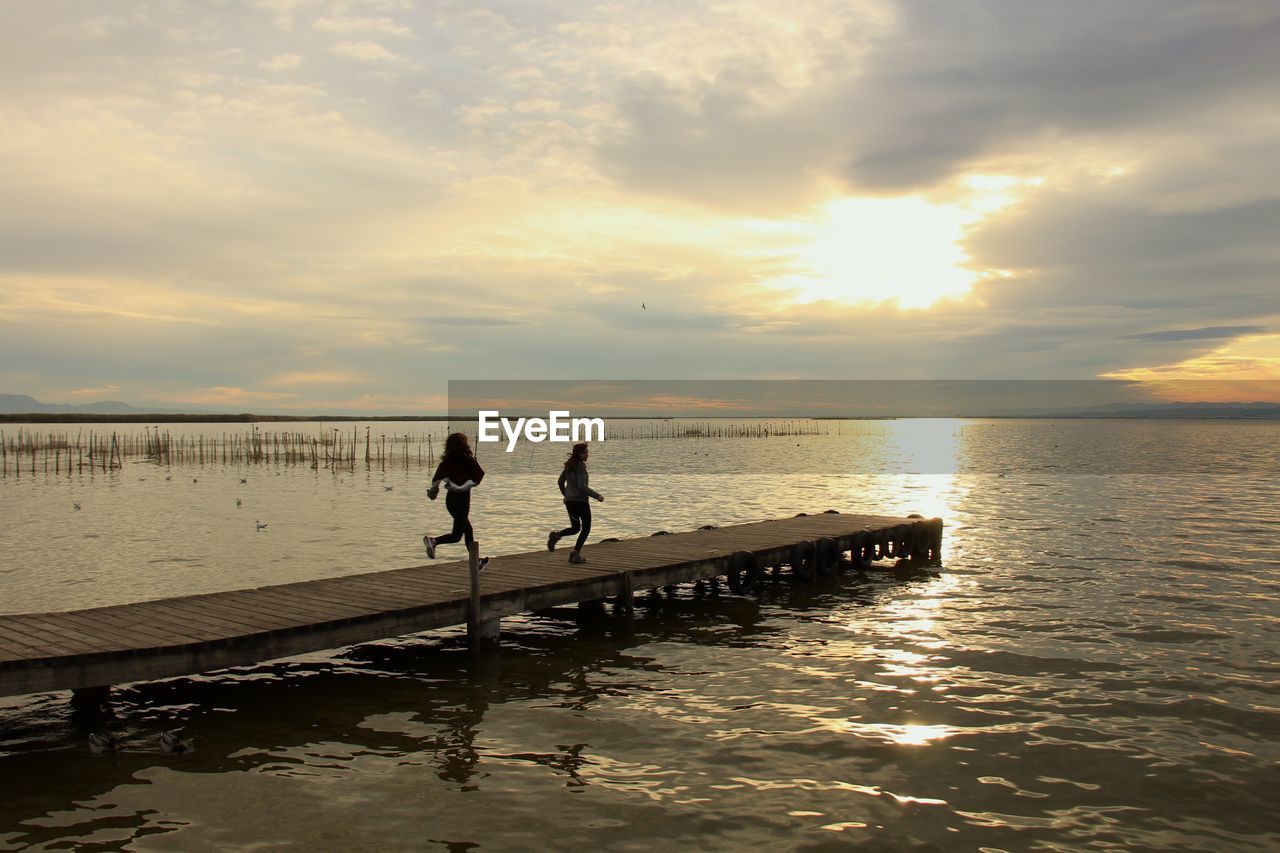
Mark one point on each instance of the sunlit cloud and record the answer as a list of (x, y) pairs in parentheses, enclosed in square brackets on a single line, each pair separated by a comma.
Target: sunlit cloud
[(1246, 369), (225, 396), (316, 377), (94, 392)]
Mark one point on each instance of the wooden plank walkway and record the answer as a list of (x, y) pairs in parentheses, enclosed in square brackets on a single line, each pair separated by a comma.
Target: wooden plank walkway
[(198, 633)]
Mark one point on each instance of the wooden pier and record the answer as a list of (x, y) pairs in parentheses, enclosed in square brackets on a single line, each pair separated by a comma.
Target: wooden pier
[(88, 650)]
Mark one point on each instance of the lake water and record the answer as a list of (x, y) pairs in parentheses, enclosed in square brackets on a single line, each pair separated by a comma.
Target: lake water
[(1097, 665)]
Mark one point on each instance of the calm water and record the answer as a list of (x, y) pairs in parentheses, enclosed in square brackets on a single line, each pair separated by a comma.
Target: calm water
[(1097, 665)]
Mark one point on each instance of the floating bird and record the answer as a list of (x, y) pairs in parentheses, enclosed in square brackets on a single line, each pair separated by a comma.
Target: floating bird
[(76, 504), (237, 502), (102, 742), (261, 526), (244, 480), (642, 308), (387, 488), (170, 477), (171, 742), (194, 480)]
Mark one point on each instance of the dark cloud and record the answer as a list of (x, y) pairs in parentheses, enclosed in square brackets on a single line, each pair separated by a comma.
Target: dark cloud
[(966, 80), (477, 321), (1206, 333), (954, 83)]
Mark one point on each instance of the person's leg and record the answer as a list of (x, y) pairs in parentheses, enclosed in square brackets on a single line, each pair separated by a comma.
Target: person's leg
[(571, 507), (459, 506), (584, 513)]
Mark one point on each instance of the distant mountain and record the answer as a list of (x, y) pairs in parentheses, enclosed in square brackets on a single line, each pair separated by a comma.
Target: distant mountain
[(21, 404)]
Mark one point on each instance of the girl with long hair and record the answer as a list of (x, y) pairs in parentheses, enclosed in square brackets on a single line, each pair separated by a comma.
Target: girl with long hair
[(576, 491), (459, 473)]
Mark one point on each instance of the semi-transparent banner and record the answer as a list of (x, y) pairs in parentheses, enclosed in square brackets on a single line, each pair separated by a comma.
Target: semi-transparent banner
[(804, 427)]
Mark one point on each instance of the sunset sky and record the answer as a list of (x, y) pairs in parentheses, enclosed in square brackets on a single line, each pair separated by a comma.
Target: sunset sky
[(309, 205)]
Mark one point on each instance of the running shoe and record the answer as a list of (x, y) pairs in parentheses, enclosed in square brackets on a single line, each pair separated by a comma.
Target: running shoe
[(484, 561), (552, 538), (575, 557), (431, 546)]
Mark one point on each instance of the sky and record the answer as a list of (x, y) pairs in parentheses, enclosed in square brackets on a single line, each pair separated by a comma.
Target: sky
[(323, 206)]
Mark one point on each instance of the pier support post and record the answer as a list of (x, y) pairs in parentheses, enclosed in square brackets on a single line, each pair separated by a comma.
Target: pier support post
[(483, 635), (627, 599), (935, 542)]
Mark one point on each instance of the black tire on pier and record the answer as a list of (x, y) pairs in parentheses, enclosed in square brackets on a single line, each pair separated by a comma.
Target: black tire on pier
[(744, 571), (826, 558), (862, 551), (802, 561)]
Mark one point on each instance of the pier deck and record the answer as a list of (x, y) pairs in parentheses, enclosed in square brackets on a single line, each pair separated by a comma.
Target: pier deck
[(158, 639)]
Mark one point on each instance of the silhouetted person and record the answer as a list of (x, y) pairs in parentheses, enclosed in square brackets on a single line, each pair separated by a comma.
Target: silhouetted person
[(459, 473), (576, 490)]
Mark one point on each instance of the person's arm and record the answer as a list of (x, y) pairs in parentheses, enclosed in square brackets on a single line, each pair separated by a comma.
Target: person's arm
[(464, 487), (564, 478)]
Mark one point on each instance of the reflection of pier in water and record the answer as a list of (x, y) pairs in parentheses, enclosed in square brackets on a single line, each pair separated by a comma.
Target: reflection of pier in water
[(88, 650)]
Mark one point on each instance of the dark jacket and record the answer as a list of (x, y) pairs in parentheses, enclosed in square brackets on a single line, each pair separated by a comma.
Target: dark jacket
[(573, 484), (459, 470)]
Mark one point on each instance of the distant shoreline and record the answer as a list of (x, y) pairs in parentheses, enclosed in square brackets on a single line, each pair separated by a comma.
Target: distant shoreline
[(96, 418)]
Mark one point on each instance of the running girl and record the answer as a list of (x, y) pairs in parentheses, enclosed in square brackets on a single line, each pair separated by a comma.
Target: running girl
[(459, 473), (576, 491)]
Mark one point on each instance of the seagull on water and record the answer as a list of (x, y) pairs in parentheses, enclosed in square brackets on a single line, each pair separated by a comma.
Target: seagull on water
[(237, 502), (171, 742), (387, 488), (76, 504), (102, 742), (261, 526), (243, 480)]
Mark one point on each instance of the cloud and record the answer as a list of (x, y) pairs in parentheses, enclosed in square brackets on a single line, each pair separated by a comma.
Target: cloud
[(281, 62), (365, 51), (316, 377), (1206, 333), (94, 392), (348, 26)]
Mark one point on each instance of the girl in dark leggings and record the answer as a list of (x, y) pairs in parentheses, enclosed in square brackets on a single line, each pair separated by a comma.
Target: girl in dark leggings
[(574, 486), (459, 473)]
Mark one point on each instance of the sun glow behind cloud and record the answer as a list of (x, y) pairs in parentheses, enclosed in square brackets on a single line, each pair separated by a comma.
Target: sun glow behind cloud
[(905, 249)]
